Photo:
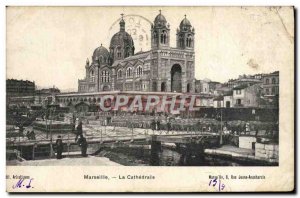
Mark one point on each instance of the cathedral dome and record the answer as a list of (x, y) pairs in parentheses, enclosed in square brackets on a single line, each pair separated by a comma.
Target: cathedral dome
[(121, 39), (185, 24), (100, 53), (160, 19), (121, 44)]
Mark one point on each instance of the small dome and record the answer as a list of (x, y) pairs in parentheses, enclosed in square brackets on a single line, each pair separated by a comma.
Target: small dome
[(160, 19), (100, 51), (185, 23)]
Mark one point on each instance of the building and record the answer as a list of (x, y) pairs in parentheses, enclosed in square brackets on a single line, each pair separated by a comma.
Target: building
[(197, 86), (222, 89), (206, 86), (19, 92), (43, 95), (163, 68), (18, 88), (245, 80), (270, 84), (218, 102), (228, 99), (205, 100), (246, 96), (20, 101), (48, 91)]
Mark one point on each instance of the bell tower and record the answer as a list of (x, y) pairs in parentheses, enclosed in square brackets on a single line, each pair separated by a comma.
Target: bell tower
[(160, 33), (185, 35)]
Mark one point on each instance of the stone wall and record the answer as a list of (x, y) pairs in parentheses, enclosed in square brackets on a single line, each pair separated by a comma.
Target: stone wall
[(267, 151), (55, 127)]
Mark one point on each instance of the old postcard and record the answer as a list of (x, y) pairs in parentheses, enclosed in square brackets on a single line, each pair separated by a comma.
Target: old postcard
[(149, 99)]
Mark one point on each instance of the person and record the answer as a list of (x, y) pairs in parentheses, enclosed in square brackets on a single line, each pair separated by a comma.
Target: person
[(83, 144), (78, 130), (21, 130), (32, 135), (168, 126), (158, 125), (59, 147), (247, 128), (28, 135), (153, 125), (256, 132)]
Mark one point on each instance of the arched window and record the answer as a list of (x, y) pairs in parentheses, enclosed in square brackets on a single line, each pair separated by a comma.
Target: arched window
[(105, 76), (189, 41), (129, 72), (127, 51), (119, 74), (163, 37), (139, 71), (273, 80), (92, 76), (273, 90), (119, 52), (155, 36), (181, 41), (267, 91), (100, 59), (267, 81)]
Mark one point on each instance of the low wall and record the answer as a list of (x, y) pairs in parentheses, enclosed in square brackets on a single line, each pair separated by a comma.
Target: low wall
[(267, 151), (246, 142), (56, 126)]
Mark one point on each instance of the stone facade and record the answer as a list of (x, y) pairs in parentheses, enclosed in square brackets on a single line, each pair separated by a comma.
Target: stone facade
[(246, 96), (267, 151), (19, 87), (270, 84), (162, 69)]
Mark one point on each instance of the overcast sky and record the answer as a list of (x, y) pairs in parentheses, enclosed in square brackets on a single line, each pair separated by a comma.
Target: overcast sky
[(50, 45)]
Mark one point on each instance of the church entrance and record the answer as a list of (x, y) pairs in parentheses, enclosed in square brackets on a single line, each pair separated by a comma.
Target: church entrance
[(176, 78)]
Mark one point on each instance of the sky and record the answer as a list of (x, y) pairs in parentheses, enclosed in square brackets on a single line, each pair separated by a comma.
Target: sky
[(50, 45)]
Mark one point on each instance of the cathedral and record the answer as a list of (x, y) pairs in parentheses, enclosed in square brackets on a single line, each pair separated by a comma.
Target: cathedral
[(161, 69)]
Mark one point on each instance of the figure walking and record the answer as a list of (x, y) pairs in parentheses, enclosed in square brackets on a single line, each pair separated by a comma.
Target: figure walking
[(78, 130), (59, 147), (83, 145)]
